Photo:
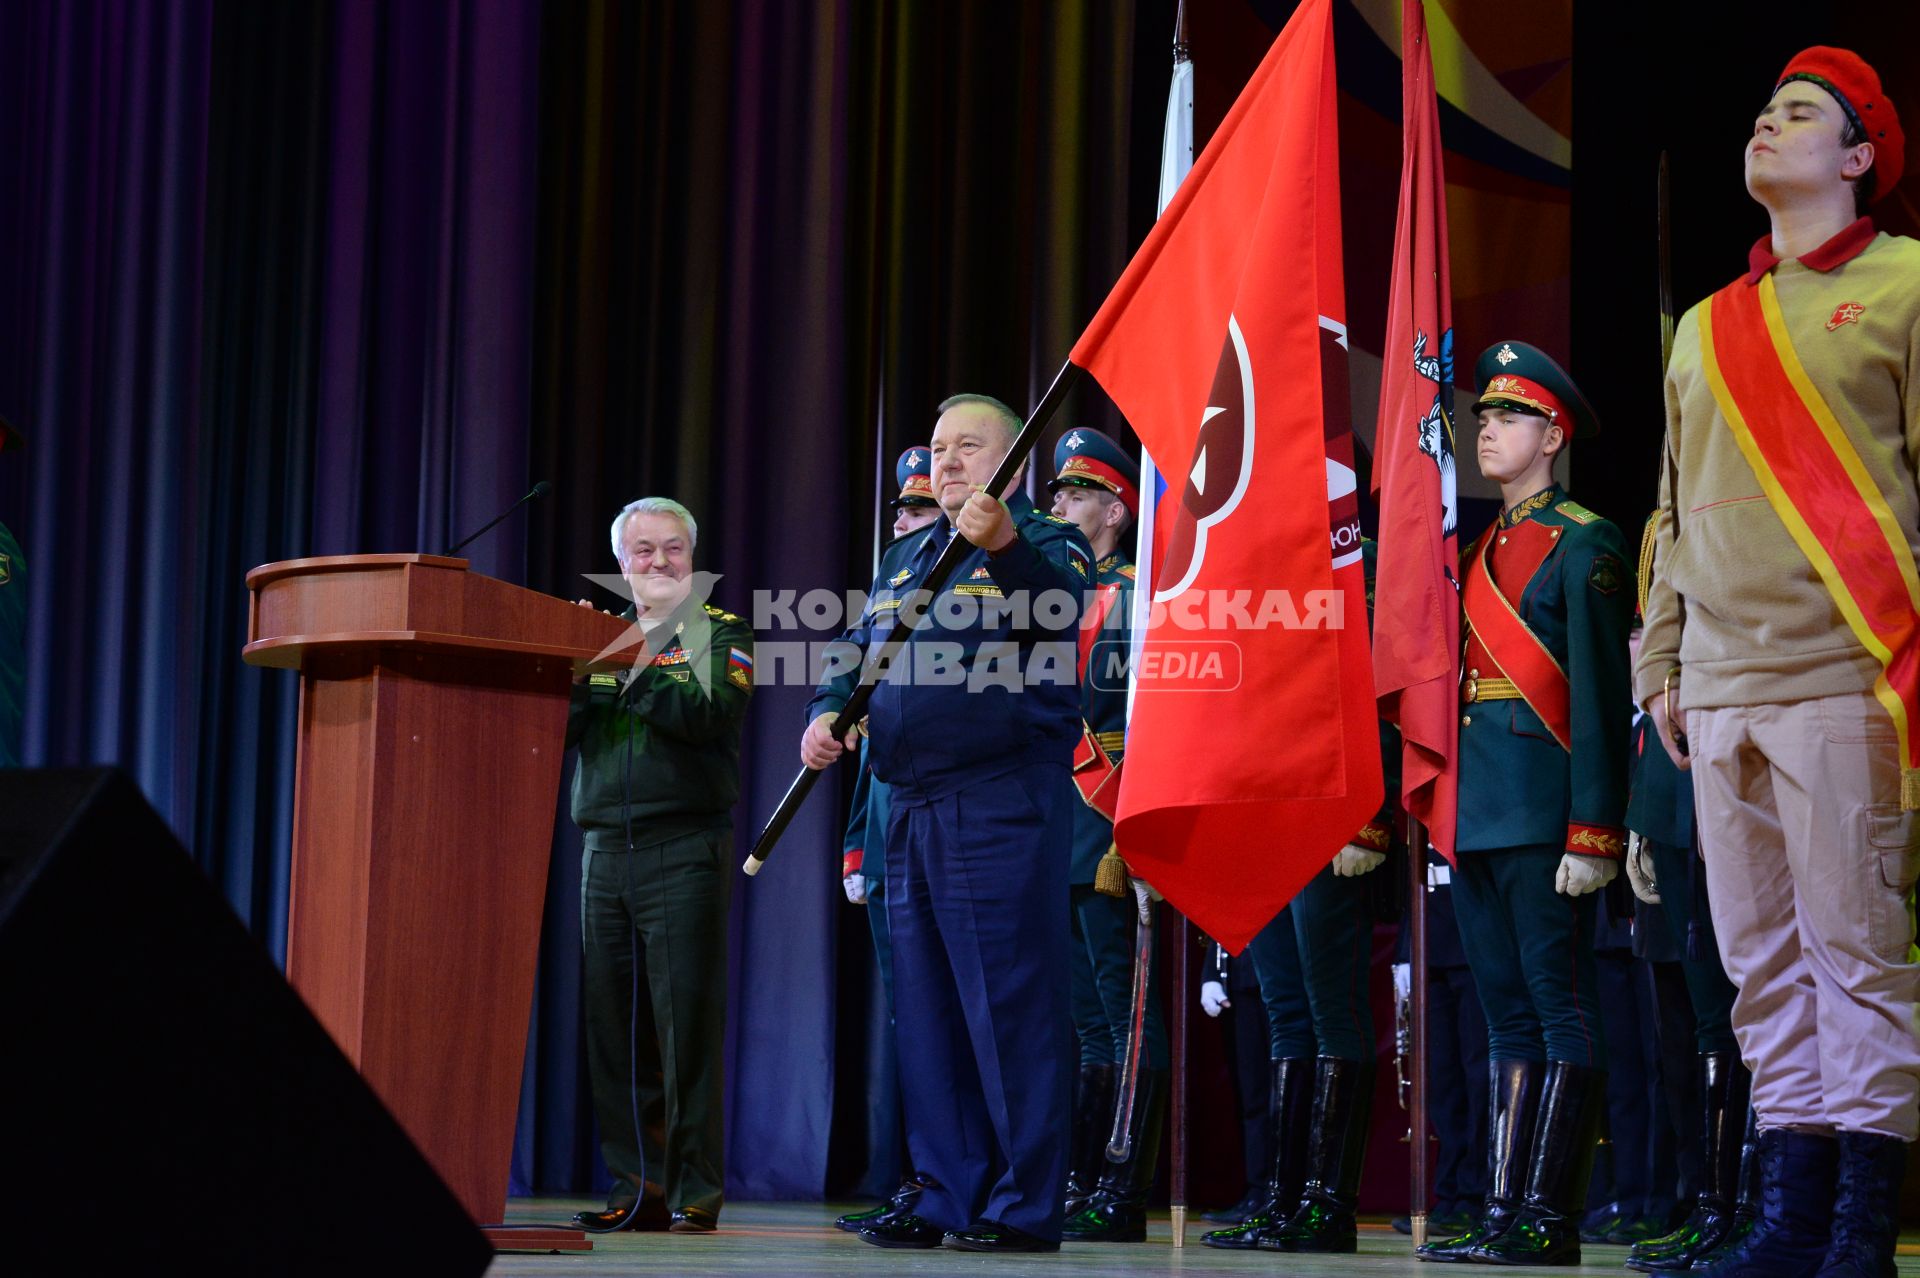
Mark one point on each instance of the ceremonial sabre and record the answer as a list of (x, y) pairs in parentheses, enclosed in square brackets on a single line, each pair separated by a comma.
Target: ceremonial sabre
[(1122, 1143)]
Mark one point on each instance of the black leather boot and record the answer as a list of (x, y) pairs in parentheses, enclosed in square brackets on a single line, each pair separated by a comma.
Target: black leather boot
[(1746, 1207), (1117, 1211), (1866, 1207), (1790, 1239), (1511, 1112), (1336, 1149), (1092, 1122), (1290, 1110), (1725, 1089), (1546, 1229)]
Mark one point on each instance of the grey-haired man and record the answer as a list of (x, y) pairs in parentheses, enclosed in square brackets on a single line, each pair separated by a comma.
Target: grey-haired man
[(654, 792)]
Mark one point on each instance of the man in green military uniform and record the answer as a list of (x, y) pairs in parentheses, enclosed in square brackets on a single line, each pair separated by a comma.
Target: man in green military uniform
[(863, 861), (654, 791), (1543, 752), (1096, 490), (13, 627)]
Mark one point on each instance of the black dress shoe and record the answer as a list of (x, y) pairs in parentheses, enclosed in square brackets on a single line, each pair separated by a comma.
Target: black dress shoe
[(693, 1220), (651, 1218), (903, 1231), (991, 1235), (904, 1200)]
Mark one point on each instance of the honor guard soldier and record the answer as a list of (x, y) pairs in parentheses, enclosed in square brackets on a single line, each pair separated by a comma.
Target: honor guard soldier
[(13, 628), (1096, 489), (1313, 962), (863, 861), (1543, 760), (1781, 651), (654, 792), (1666, 875), (974, 728)]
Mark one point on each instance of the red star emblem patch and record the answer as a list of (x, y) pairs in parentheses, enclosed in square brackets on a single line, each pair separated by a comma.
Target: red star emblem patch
[(1845, 313)]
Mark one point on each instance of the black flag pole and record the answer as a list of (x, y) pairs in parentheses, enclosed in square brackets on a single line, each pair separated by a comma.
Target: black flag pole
[(908, 617), (1417, 1151)]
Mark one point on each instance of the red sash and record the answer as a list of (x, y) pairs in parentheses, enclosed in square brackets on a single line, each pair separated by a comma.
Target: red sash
[(1094, 772), (1818, 485), (1501, 631)]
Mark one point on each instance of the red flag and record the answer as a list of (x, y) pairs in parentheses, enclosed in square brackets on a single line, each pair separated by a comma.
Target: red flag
[(1416, 623), (1253, 752)]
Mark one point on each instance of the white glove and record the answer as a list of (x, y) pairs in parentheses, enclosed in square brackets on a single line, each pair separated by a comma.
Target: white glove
[(1353, 860), (1213, 997), (1640, 871), (1580, 875), (856, 886)]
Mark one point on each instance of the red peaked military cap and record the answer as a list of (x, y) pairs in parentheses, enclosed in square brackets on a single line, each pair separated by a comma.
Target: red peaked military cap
[(1846, 75)]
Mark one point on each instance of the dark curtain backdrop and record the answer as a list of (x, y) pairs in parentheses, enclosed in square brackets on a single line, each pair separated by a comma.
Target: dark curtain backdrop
[(312, 278), (309, 278)]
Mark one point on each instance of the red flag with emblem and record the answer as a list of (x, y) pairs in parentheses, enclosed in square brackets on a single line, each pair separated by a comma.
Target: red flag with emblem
[(1416, 592), (1253, 751)]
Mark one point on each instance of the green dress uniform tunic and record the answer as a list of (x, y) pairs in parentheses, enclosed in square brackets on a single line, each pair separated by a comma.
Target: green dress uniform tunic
[(1525, 799)]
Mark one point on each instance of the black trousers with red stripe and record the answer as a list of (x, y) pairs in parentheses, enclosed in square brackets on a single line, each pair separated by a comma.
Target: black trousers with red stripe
[(1531, 951)]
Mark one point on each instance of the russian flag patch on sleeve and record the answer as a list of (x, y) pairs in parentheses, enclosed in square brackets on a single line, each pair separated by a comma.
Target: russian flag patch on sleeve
[(739, 668)]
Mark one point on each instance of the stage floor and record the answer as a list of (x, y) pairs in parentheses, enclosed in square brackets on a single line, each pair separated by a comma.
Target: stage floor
[(799, 1239)]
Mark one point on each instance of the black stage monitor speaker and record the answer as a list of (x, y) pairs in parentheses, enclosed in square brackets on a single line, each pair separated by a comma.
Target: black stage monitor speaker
[(167, 1102)]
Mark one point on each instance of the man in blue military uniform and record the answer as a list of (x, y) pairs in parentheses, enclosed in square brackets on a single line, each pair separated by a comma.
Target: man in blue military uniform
[(1096, 490), (914, 509), (13, 627), (974, 728), (1666, 874), (1543, 754), (863, 859)]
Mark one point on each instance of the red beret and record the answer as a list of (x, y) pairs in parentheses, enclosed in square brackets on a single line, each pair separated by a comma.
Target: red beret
[(1846, 75)]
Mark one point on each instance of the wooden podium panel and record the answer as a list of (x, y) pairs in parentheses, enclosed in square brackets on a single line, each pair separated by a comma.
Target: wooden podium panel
[(433, 707)]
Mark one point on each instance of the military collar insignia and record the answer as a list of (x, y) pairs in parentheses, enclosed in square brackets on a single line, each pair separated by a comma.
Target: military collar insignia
[(1106, 565), (900, 578), (1530, 507)]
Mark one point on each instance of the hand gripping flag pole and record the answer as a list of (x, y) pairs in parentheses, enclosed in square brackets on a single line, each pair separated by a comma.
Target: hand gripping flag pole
[(908, 618)]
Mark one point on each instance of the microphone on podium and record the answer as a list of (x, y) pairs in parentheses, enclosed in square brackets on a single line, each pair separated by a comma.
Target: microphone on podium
[(540, 489)]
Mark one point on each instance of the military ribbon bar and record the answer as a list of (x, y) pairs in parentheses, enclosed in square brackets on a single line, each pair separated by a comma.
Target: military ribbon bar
[(1817, 484)]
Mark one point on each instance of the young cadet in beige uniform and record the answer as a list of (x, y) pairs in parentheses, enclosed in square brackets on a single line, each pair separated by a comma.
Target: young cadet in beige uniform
[(1783, 647)]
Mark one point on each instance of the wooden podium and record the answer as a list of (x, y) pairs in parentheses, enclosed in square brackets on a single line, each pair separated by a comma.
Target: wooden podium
[(433, 706)]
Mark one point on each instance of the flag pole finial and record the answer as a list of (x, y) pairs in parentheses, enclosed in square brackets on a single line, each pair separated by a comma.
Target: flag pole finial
[(1180, 51)]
